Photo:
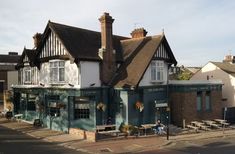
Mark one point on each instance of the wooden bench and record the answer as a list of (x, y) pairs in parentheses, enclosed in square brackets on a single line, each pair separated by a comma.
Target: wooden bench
[(104, 127), (192, 127), (111, 132)]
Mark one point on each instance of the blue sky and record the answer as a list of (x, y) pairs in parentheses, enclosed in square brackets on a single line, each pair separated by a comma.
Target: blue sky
[(198, 31)]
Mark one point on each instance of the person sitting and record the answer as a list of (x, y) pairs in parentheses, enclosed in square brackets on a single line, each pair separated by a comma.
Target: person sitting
[(109, 121), (159, 128)]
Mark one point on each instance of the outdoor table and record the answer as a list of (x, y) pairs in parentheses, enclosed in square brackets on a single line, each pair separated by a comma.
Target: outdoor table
[(148, 126)]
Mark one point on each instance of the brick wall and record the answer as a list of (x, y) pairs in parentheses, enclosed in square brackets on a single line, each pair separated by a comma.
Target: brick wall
[(184, 107), (83, 134)]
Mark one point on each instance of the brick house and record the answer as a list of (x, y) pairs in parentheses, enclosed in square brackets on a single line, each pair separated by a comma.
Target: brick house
[(195, 101)]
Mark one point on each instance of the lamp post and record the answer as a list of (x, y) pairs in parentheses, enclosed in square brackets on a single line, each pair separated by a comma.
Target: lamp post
[(167, 131)]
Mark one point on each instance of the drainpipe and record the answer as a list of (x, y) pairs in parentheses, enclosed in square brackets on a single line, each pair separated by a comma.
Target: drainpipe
[(168, 107)]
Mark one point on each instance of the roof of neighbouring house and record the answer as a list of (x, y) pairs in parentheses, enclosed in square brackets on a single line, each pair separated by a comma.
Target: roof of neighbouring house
[(225, 66), (8, 62), (193, 70), (9, 58)]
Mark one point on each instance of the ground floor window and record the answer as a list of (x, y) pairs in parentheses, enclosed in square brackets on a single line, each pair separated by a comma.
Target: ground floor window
[(53, 105), (208, 101), (31, 102), (199, 101), (54, 110), (81, 108)]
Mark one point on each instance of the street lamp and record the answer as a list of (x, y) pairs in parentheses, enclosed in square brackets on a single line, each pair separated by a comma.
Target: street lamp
[(167, 131)]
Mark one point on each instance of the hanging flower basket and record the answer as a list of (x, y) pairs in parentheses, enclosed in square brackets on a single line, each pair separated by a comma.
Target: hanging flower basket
[(101, 106), (139, 106)]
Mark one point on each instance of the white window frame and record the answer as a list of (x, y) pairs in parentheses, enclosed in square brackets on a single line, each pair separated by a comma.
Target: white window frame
[(157, 71), (56, 79), (27, 75)]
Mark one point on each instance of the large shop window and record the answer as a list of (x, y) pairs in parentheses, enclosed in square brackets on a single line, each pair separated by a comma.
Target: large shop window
[(57, 71), (53, 105), (199, 101), (157, 69), (27, 75), (208, 101), (81, 108), (31, 103)]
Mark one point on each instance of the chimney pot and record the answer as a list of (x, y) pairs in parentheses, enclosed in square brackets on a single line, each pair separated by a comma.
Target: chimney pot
[(139, 32), (37, 39), (229, 58)]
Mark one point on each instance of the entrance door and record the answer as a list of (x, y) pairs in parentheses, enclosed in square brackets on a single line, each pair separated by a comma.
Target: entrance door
[(161, 114)]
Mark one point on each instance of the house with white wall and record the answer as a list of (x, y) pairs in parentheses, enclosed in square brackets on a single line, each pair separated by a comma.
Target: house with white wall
[(224, 71), (77, 78)]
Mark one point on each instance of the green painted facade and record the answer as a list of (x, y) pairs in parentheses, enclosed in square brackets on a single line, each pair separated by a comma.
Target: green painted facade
[(120, 106)]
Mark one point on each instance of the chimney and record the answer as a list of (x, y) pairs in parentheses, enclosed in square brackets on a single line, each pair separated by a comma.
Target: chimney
[(37, 38), (106, 52), (229, 59), (139, 32)]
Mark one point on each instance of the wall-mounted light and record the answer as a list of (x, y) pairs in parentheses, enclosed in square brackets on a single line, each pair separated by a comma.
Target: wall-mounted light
[(92, 84), (71, 85)]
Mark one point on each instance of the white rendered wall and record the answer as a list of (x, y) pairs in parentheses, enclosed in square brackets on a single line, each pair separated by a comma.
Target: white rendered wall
[(90, 74), (44, 73), (146, 80), (71, 73)]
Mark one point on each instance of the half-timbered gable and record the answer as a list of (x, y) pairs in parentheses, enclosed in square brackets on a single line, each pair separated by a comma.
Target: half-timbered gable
[(52, 47), (161, 53)]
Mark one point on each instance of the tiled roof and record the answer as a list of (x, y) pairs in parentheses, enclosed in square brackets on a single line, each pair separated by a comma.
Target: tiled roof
[(138, 54), (135, 54), (83, 43), (225, 66)]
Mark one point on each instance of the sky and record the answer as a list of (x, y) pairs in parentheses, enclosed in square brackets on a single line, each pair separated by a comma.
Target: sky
[(197, 31)]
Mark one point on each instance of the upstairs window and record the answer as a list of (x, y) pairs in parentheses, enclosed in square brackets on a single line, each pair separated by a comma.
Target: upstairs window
[(57, 71), (157, 69), (27, 75)]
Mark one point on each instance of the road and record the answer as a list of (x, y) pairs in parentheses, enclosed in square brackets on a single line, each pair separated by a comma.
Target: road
[(14, 142), (222, 145)]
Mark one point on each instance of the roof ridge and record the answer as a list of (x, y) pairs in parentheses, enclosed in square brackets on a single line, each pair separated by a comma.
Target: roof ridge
[(88, 30)]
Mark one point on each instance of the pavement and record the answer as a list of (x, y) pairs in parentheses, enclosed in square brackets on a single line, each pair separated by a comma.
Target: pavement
[(128, 145)]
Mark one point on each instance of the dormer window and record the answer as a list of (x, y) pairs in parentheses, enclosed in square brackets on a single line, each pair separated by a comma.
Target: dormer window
[(57, 71), (157, 69)]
